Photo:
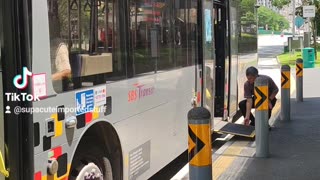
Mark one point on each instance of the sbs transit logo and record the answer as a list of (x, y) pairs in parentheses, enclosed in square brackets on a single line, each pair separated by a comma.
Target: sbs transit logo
[(140, 91)]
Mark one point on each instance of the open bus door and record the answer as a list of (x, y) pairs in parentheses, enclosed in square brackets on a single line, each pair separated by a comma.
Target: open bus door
[(16, 130), (3, 171), (226, 66), (208, 59), (222, 59)]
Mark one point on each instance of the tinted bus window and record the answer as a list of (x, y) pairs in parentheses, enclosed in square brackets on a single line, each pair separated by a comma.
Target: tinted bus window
[(162, 34), (84, 43)]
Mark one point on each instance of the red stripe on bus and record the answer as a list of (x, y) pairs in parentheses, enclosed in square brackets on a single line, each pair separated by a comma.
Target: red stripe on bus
[(88, 117), (37, 176), (57, 152)]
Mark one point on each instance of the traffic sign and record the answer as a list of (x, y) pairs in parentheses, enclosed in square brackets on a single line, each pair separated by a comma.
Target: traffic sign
[(309, 11), (298, 21)]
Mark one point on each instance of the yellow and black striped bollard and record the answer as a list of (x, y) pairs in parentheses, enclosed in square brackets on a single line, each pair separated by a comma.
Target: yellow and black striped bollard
[(199, 141), (262, 118), (285, 93), (299, 79)]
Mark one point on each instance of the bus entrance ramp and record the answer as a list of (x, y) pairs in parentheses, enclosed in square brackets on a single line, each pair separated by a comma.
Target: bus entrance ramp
[(235, 129)]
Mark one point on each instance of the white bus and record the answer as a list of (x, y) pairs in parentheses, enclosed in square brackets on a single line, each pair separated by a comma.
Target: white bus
[(100, 89)]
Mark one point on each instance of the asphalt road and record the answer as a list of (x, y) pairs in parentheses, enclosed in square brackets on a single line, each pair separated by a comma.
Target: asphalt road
[(270, 45)]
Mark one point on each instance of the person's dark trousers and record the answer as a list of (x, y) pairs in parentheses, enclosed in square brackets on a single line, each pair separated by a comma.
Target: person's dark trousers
[(243, 109)]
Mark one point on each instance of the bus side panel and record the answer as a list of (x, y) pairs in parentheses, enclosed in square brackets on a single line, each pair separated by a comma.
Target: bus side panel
[(159, 115), (163, 126)]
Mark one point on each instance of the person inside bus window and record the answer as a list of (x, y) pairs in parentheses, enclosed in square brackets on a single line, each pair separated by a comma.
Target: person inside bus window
[(109, 36), (60, 65), (246, 105), (102, 38), (62, 69)]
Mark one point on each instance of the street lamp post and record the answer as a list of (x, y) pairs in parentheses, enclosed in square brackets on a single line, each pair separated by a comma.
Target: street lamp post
[(293, 16), (256, 7)]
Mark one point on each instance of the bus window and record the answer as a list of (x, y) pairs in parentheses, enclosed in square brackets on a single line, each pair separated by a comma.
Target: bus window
[(160, 35), (83, 39)]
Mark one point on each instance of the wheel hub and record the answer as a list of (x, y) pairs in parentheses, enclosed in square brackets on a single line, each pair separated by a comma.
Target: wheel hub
[(90, 172)]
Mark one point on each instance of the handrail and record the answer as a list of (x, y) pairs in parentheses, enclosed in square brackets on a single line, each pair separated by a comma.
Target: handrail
[(3, 169)]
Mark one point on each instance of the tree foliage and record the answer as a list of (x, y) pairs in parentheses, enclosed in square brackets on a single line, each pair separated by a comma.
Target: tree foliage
[(280, 3), (247, 6), (247, 12), (275, 21)]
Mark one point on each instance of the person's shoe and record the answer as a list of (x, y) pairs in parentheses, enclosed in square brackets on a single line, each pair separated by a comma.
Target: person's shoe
[(269, 128)]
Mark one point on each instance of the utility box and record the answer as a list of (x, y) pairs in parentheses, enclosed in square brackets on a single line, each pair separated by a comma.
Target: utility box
[(295, 43), (308, 55)]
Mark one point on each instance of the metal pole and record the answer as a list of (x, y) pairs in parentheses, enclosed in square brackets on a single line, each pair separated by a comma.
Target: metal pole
[(299, 79), (199, 151), (285, 93), (293, 16), (262, 118)]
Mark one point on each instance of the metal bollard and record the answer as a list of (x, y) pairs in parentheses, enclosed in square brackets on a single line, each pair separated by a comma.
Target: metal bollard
[(299, 79), (262, 118), (285, 93), (199, 141)]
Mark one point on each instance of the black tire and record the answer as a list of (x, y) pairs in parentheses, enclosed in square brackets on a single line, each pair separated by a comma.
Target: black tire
[(91, 153)]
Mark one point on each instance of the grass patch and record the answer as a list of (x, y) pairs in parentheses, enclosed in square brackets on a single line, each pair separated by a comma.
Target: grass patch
[(290, 59)]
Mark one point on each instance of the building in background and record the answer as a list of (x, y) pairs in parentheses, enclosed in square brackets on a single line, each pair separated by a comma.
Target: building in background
[(287, 12), (268, 4)]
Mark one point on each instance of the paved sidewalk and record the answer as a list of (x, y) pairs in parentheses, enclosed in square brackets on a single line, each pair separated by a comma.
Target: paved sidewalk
[(294, 145)]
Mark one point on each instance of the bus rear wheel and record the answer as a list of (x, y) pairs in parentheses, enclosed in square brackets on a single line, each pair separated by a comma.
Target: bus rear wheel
[(89, 163)]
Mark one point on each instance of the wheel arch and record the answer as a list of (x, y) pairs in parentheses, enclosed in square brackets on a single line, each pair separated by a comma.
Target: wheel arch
[(105, 135)]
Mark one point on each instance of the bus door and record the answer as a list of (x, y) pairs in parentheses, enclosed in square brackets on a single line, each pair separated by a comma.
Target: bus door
[(221, 37), (234, 34), (16, 127), (209, 62)]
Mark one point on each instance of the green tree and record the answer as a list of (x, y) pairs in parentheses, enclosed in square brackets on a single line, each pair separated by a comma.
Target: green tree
[(275, 21), (247, 12), (280, 3), (247, 6)]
